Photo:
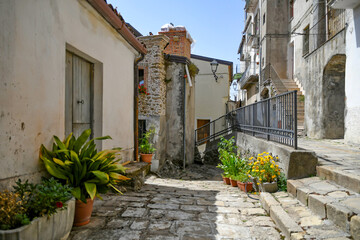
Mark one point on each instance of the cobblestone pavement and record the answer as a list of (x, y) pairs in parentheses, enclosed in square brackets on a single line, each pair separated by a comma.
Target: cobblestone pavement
[(178, 209)]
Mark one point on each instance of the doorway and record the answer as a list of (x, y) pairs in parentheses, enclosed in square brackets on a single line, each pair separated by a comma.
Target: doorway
[(334, 97), (203, 132), (78, 95)]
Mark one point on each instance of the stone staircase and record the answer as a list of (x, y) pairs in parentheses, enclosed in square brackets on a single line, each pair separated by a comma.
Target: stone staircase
[(270, 77), (314, 208), (323, 207), (291, 85)]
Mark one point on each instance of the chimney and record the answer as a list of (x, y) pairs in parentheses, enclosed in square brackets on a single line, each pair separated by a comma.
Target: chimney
[(180, 40)]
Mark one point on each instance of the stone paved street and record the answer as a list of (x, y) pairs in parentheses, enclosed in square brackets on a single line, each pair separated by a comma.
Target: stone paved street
[(178, 209)]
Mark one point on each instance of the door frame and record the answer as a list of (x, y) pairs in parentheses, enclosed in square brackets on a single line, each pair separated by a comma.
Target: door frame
[(96, 94)]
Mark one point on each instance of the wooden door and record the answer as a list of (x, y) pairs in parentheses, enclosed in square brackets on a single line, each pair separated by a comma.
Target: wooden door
[(205, 131), (79, 74)]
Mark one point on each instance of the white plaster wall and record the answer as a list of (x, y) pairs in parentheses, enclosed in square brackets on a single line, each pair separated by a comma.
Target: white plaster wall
[(210, 96), (34, 36), (352, 79)]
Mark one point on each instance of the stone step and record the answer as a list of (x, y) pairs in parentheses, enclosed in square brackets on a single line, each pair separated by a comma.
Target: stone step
[(329, 201), (137, 172), (297, 221), (344, 176)]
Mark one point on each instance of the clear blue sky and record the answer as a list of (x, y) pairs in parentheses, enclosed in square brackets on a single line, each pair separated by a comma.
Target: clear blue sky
[(215, 25)]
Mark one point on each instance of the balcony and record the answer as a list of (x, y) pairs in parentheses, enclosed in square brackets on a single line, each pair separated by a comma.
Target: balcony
[(250, 76)]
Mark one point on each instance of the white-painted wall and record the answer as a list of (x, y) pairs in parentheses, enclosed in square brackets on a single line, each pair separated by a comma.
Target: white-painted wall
[(352, 79), (34, 37), (210, 96)]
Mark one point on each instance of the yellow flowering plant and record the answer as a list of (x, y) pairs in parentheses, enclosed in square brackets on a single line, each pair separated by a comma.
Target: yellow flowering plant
[(264, 168)]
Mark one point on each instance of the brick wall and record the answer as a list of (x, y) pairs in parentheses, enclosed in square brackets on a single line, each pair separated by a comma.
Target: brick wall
[(179, 44)]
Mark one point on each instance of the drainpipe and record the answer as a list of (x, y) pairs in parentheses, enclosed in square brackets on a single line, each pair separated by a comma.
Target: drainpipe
[(136, 107), (184, 121)]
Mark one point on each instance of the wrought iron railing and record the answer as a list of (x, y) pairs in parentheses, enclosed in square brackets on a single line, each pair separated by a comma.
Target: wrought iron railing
[(274, 119)]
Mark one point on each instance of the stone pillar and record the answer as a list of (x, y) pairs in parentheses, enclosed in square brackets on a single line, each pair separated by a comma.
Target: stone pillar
[(152, 107), (175, 107)]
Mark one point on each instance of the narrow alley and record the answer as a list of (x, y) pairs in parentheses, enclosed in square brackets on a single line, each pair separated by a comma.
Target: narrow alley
[(179, 209)]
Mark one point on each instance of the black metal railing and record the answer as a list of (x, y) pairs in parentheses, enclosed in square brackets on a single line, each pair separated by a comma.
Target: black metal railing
[(274, 119)]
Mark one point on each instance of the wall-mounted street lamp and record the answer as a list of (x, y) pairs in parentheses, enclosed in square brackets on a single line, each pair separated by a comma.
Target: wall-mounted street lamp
[(214, 65)]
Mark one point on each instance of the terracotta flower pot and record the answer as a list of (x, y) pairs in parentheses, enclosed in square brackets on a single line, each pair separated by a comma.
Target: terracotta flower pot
[(83, 212), (226, 180), (249, 186), (146, 157), (233, 183)]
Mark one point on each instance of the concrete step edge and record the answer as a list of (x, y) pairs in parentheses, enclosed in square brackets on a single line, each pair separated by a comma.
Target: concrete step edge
[(282, 220)]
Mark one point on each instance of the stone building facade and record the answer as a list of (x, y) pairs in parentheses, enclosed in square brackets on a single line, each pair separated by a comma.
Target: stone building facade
[(314, 41), (169, 105)]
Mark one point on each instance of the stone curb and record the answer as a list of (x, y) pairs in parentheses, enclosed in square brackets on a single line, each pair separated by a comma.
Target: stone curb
[(340, 177), (282, 220)]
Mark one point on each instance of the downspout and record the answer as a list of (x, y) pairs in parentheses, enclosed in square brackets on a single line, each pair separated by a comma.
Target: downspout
[(184, 121), (136, 106)]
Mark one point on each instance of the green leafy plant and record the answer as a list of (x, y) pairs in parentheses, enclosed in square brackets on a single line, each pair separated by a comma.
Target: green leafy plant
[(193, 70), (12, 211), (231, 162), (242, 177), (146, 147), (76, 162), (282, 182), (29, 201), (44, 198)]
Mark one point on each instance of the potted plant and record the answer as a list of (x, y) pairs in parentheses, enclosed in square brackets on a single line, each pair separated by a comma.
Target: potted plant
[(227, 157), (76, 162), (265, 171), (39, 211), (244, 183), (146, 147)]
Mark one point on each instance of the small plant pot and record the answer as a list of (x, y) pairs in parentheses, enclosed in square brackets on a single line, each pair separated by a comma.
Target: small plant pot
[(226, 180), (83, 212), (146, 157), (269, 187), (233, 183), (245, 187)]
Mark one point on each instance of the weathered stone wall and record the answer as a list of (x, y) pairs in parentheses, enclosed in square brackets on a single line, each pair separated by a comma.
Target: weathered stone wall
[(316, 97), (152, 107), (275, 35), (154, 66), (295, 163), (175, 114)]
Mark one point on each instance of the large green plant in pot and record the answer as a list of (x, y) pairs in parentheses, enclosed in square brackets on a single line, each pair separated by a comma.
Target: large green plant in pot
[(77, 162)]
